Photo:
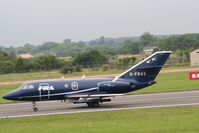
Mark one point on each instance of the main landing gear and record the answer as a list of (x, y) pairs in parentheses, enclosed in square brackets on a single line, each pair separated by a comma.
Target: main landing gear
[(34, 106), (93, 104)]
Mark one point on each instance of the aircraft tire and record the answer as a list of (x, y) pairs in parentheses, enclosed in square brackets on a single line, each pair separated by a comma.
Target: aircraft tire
[(35, 109), (93, 104)]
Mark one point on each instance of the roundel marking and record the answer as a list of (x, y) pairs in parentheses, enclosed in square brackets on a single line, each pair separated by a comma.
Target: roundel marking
[(74, 86)]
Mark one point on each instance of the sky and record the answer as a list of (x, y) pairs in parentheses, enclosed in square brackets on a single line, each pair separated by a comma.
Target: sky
[(38, 21)]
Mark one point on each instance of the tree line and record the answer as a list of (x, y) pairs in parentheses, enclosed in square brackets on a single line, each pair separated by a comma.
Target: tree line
[(94, 53), (10, 63), (182, 44)]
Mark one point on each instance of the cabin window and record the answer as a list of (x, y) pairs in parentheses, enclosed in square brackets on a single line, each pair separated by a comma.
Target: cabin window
[(30, 87), (66, 85)]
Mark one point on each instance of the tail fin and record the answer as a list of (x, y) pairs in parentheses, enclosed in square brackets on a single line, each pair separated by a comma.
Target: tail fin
[(147, 69)]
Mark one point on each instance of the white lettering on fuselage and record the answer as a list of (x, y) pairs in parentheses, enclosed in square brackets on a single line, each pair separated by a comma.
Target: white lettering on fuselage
[(137, 74), (44, 88)]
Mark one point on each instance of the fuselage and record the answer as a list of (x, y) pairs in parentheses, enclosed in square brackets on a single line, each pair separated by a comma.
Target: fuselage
[(61, 88)]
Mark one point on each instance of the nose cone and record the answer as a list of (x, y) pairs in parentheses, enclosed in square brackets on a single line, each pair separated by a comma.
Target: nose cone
[(10, 96), (6, 96)]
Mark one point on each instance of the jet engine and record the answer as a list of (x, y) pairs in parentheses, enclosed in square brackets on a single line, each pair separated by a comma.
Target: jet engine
[(114, 87)]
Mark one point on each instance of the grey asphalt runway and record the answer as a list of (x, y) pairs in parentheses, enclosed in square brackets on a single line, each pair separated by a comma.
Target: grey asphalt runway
[(118, 103)]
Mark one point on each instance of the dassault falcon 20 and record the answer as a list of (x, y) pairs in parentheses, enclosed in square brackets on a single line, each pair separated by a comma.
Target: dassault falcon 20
[(92, 91)]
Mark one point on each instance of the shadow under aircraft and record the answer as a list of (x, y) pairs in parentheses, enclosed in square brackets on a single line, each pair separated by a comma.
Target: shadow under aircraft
[(93, 91)]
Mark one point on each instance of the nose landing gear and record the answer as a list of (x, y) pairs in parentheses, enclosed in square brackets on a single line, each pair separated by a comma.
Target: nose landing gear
[(34, 106)]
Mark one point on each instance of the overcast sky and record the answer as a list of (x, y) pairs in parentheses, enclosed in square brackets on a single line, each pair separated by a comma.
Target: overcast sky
[(38, 21)]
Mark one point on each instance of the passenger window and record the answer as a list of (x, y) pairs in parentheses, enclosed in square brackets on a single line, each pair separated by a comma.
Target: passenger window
[(66, 85)]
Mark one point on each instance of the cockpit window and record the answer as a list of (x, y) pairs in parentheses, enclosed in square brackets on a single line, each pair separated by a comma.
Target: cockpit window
[(30, 87), (27, 86)]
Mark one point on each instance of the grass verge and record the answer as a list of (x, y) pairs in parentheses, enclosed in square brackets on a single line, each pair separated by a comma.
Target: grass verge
[(166, 82), (52, 75), (4, 90), (56, 74), (154, 120)]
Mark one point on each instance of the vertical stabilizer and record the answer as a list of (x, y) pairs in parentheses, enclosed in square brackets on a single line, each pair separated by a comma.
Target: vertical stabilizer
[(147, 69)]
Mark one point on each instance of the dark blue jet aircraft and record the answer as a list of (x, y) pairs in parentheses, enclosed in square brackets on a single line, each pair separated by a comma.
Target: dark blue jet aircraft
[(92, 91)]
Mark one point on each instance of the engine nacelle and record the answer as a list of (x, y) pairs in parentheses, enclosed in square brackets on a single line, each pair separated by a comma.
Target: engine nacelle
[(114, 87)]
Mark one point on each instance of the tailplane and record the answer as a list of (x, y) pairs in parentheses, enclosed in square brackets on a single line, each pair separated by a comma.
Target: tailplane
[(147, 69)]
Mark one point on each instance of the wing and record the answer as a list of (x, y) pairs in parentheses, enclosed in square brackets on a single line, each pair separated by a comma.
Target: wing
[(93, 95), (89, 93), (91, 98)]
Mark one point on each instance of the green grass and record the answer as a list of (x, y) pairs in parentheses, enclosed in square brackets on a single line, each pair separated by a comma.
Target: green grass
[(178, 81), (154, 120), (166, 82), (29, 76), (52, 75), (4, 90), (56, 74)]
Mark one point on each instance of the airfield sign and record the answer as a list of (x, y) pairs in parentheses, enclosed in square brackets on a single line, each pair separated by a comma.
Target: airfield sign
[(194, 75)]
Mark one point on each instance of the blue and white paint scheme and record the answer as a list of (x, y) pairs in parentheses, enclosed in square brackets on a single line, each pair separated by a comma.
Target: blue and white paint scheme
[(92, 91)]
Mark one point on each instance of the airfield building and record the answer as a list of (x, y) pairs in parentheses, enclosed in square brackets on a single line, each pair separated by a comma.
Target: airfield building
[(149, 50), (25, 56), (194, 58)]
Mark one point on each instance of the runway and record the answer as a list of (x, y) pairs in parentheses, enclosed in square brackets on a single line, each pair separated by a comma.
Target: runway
[(16, 110)]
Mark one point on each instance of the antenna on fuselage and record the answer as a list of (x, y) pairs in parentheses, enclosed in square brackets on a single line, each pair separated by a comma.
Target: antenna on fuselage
[(83, 77)]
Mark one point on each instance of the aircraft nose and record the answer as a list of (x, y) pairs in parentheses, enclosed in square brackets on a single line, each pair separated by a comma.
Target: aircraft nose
[(6, 96), (10, 96)]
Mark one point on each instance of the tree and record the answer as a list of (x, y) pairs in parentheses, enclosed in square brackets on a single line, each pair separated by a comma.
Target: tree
[(47, 62), (131, 47), (3, 56), (127, 60), (91, 58), (68, 68), (146, 39), (7, 67), (77, 68), (19, 65)]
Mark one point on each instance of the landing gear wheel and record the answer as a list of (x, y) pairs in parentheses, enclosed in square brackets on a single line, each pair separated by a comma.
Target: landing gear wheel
[(35, 109), (34, 106), (93, 104)]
